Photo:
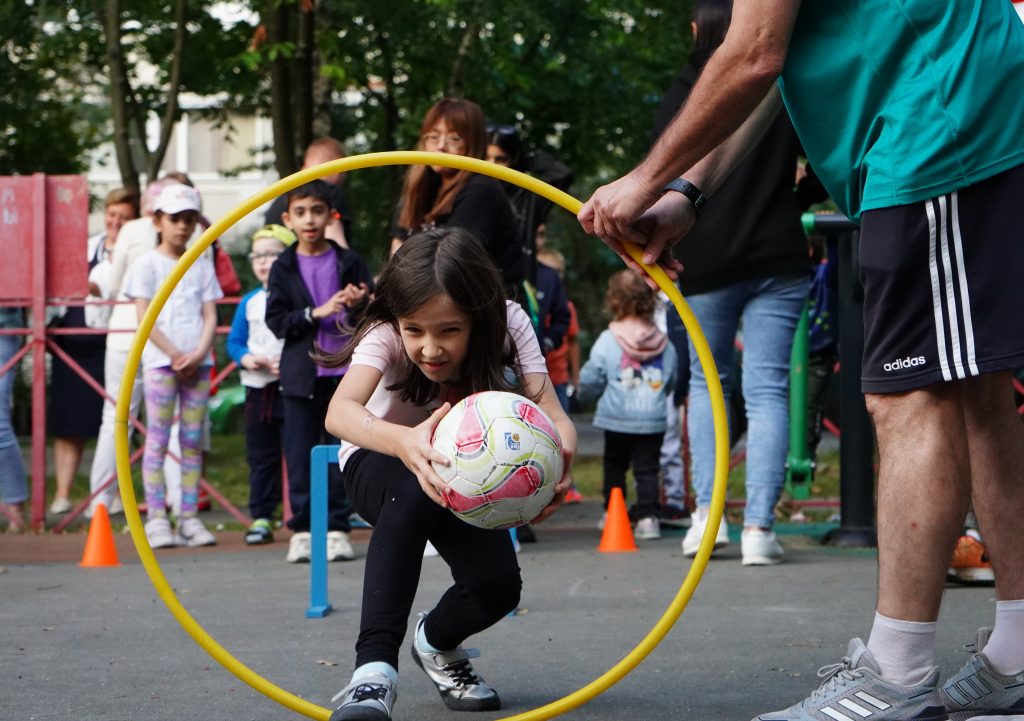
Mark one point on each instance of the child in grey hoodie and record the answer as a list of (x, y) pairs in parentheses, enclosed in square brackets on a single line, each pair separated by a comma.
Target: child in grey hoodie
[(632, 366)]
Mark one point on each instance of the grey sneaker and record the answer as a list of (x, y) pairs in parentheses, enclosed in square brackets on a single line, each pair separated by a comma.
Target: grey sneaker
[(853, 690), (192, 533), (460, 687), (158, 533), (978, 689), (371, 698)]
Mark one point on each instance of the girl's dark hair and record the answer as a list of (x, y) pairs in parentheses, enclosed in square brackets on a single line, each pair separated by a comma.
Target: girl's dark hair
[(507, 138), (712, 19), (422, 200), (452, 262), (628, 295)]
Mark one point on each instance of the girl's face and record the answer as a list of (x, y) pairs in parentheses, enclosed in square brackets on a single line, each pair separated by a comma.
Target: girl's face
[(436, 338), (114, 216), (442, 139), (264, 253), (498, 156), (175, 230)]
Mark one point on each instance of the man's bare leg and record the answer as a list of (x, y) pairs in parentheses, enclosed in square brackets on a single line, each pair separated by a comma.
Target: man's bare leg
[(923, 493)]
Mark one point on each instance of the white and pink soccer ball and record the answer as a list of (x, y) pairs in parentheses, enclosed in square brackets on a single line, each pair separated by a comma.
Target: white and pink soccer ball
[(506, 457)]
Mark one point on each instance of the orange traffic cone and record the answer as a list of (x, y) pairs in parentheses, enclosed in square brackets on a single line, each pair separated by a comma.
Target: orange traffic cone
[(99, 544), (617, 536)]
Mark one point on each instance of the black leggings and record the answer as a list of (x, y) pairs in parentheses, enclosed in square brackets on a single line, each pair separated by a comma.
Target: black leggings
[(483, 563)]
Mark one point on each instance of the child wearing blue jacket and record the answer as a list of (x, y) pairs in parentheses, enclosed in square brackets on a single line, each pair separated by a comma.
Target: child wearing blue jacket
[(257, 351), (632, 366)]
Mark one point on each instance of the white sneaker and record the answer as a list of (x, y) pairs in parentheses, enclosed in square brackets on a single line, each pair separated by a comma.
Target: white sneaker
[(116, 505), (430, 552), (691, 541), (338, 547), (298, 548), (647, 529), (60, 505), (760, 548), (158, 533), (604, 520), (193, 533)]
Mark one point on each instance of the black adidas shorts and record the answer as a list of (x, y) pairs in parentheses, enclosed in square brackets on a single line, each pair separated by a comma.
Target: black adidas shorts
[(944, 286)]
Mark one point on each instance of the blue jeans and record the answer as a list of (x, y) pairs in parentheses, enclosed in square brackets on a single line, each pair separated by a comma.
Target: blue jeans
[(769, 309), (13, 488)]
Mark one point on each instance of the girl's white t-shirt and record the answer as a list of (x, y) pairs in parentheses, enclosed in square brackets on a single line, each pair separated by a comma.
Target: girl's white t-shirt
[(382, 348), (181, 319)]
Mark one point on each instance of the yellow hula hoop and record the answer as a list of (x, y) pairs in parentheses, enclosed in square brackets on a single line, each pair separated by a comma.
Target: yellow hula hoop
[(371, 160)]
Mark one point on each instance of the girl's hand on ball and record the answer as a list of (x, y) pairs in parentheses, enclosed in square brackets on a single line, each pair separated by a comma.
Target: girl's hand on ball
[(561, 488), (417, 455)]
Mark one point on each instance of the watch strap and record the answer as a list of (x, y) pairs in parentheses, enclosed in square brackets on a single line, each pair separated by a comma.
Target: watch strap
[(691, 191)]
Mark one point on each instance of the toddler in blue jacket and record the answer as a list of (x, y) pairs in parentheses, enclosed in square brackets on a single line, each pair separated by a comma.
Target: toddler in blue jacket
[(632, 366)]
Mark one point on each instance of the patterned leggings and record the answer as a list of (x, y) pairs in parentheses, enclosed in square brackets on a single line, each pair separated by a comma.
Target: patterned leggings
[(162, 389)]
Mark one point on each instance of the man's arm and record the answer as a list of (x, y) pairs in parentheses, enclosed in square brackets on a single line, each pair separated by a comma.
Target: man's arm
[(733, 84)]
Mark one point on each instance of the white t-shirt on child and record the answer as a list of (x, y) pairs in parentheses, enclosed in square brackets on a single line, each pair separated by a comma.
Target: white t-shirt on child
[(382, 348), (181, 319)]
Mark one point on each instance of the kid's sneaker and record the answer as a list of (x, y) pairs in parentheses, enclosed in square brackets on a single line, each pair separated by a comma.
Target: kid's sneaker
[(648, 529), (699, 521), (979, 690), (298, 547), (853, 690), (192, 533), (760, 547), (370, 698), (453, 676), (158, 533), (339, 548), (261, 531), (970, 562)]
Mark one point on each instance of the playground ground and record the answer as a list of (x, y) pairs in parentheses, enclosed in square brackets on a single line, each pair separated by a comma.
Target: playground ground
[(98, 644)]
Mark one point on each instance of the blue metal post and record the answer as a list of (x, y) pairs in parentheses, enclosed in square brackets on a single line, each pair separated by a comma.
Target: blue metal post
[(319, 459)]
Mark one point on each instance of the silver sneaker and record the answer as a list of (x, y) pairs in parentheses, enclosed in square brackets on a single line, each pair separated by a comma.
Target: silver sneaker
[(370, 698), (158, 533), (339, 548), (460, 687), (193, 533), (853, 690), (298, 548), (979, 690)]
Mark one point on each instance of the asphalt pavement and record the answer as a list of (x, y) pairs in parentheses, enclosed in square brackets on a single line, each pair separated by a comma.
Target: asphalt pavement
[(98, 644)]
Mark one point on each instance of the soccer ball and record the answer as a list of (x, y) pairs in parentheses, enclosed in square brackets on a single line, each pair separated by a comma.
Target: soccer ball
[(506, 457)]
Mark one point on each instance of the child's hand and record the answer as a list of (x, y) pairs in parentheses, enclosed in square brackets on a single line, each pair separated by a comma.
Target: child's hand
[(561, 488), (351, 294), (186, 365), (417, 453), (333, 306)]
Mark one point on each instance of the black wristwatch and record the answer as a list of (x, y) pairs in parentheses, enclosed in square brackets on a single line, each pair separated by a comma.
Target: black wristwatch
[(691, 191)]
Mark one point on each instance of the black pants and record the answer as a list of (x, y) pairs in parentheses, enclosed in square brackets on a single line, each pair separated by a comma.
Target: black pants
[(303, 429), (264, 419), (643, 452), (483, 563)]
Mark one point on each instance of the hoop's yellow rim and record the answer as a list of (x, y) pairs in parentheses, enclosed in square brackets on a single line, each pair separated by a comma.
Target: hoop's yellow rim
[(372, 160)]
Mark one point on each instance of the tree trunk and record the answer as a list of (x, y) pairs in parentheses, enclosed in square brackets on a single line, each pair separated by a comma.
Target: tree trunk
[(156, 158), (280, 90), (110, 14), (456, 78), (302, 65)]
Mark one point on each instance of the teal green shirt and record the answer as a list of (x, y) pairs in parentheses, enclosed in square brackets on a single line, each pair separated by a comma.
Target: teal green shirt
[(898, 101)]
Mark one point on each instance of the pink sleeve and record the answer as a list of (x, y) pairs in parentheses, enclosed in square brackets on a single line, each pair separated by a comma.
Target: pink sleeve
[(380, 348), (525, 339)]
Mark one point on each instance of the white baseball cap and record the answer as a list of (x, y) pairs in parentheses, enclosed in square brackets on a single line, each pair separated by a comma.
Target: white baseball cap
[(176, 198)]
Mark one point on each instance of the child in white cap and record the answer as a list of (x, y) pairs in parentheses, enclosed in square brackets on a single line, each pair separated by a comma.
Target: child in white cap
[(176, 364)]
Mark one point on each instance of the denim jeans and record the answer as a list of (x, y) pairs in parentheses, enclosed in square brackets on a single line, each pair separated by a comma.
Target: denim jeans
[(769, 309), (13, 487)]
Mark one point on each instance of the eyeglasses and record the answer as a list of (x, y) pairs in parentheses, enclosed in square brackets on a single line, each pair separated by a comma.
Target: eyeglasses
[(269, 255), (436, 140)]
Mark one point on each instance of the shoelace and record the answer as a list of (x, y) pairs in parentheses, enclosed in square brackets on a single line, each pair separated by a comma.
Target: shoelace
[(461, 673), (835, 675), (363, 692)]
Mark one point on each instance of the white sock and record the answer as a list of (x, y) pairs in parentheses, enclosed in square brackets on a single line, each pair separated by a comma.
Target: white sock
[(421, 640), (904, 650), (1005, 647), (376, 667)]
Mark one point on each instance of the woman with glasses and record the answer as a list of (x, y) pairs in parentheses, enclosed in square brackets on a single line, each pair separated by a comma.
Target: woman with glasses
[(438, 196)]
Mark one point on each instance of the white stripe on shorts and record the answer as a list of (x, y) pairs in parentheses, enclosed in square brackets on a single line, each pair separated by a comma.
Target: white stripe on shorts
[(933, 269)]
